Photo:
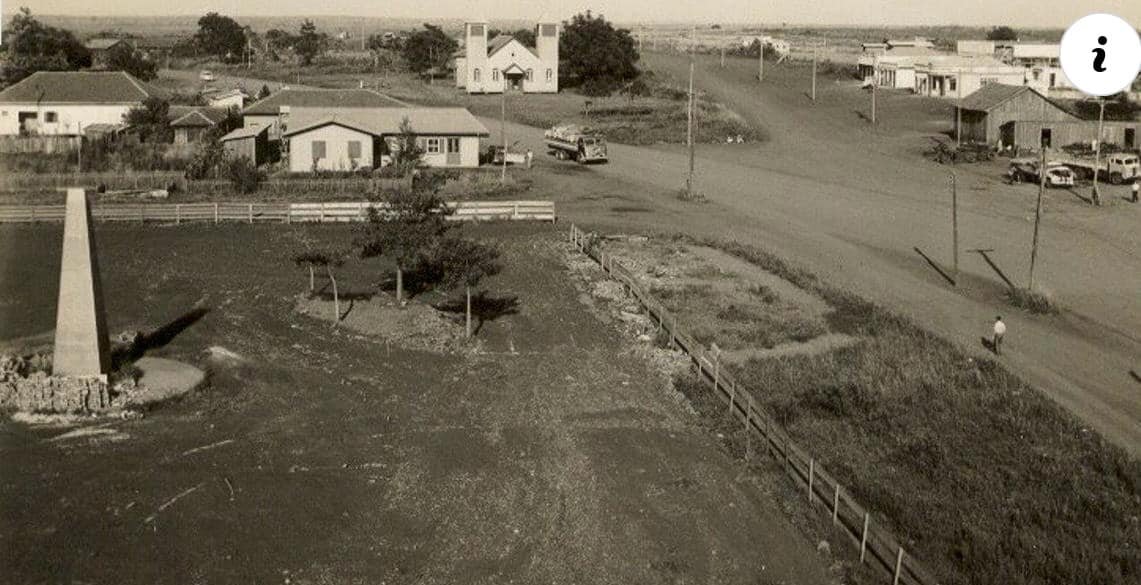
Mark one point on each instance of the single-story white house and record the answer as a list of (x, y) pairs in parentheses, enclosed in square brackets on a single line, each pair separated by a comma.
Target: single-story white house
[(64, 103), (275, 110), (233, 98), (958, 77), (345, 139)]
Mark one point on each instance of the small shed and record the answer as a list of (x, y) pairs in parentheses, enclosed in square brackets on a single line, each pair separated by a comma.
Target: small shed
[(189, 126), (251, 142)]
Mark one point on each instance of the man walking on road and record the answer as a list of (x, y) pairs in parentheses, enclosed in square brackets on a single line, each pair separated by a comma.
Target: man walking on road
[(999, 331)]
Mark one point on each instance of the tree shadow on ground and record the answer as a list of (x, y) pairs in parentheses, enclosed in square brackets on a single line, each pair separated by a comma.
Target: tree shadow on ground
[(128, 353), (484, 307)]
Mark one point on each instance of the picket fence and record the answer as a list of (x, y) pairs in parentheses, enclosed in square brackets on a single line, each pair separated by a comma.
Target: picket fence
[(329, 212), (822, 490)]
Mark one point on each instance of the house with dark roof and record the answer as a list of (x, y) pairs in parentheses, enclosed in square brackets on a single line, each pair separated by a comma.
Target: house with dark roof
[(101, 47), (355, 138), (1009, 116), (275, 110), (505, 64), (67, 102), (191, 123)]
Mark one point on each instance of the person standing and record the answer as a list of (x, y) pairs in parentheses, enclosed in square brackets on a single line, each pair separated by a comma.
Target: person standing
[(999, 331), (1136, 188)]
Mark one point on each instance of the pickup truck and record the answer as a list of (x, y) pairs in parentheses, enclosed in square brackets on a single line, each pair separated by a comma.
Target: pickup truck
[(571, 141), (1117, 167)]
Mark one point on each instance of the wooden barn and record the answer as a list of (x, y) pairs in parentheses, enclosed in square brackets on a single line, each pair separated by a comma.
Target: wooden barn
[(1010, 116), (251, 142)]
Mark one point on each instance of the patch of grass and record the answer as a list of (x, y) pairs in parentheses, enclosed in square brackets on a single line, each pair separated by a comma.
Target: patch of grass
[(764, 293), (1034, 301)]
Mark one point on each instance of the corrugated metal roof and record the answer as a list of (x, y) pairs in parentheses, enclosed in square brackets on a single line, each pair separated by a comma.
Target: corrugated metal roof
[(245, 132), (320, 98), (78, 87), (387, 121)]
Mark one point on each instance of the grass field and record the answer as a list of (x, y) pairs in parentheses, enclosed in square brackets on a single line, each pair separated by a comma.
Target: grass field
[(553, 454), (985, 479)]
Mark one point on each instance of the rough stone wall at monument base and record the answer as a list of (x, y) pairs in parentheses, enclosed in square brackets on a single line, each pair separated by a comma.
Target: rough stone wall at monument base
[(40, 392)]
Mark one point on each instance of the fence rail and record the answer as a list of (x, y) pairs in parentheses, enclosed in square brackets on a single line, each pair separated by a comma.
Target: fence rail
[(44, 182), (332, 212), (822, 490)]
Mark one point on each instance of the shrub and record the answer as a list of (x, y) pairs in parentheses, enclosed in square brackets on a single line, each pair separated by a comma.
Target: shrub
[(243, 175), (1033, 301)]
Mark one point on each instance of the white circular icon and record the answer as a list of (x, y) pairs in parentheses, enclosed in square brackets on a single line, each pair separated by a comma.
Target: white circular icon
[(1101, 54)]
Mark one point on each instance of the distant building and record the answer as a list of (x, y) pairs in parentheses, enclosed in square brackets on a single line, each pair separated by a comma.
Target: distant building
[(274, 111), (957, 77), (1040, 62), (230, 98), (70, 102), (971, 48), (891, 64), (356, 138), (252, 143), (190, 123), (505, 64), (1022, 117), (101, 47), (157, 49)]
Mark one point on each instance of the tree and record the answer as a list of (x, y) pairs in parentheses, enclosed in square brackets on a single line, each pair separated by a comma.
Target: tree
[(33, 46), (124, 58), (264, 93), (208, 156), (465, 262), (220, 36), (407, 225), (310, 44), (428, 49), (597, 55), (151, 120), (1002, 33), (407, 154), (327, 258), (243, 174)]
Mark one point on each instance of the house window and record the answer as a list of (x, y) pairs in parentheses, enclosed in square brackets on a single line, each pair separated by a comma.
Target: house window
[(51, 117), (530, 74), (318, 149), (433, 146), (477, 30), (550, 74), (495, 75), (453, 145), (547, 30), (952, 84), (1053, 79), (475, 74), (354, 149)]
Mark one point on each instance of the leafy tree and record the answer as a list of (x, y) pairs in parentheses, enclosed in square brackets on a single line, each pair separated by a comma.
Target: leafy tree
[(407, 226), (465, 262), (264, 93), (326, 258), (310, 44), (427, 49), (220, 36), (208, 156), (151, 120), (33, 46), (1002, 33), (124, 58), (407, 154), (597, 55), (243, 174)]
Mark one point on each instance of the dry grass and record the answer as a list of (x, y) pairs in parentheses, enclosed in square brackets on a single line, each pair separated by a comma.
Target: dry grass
[(1034, 301)]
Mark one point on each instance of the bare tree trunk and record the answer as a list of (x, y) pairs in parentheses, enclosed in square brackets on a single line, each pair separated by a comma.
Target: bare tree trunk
[(399, 284), (311, 286), (336, 297), (467, 290)]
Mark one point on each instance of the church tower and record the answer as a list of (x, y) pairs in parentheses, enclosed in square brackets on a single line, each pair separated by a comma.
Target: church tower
[(475, 43), (547, 46)]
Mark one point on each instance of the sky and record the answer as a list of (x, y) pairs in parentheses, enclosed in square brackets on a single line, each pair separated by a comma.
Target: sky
[(1025, 13)]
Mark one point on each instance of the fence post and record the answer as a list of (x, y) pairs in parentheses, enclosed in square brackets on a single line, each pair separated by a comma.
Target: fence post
[(811, 477), (142, 208), (288, 213), (898, 565), (215, 213), (33, 214), (515, 215), (864, 539), (836, 503), (177, 213), (322, 212), (251, 212)]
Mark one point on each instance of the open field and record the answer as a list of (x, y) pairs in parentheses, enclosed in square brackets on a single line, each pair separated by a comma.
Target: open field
[(985, 479), (554, 453)]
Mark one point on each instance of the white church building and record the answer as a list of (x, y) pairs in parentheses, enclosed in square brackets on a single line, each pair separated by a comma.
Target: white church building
[(505, 64)]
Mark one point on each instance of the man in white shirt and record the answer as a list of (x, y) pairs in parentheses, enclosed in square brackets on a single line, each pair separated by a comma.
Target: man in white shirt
[(1136, 188), (999, 331)]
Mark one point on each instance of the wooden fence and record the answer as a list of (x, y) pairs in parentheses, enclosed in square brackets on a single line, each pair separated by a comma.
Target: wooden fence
[(46, 182), (823, 491), (38, 144), (333, 212)]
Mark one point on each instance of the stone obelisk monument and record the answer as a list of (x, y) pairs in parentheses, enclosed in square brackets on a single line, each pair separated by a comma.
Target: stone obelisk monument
[(80, 326)]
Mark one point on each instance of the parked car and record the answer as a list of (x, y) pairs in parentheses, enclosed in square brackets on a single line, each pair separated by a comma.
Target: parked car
[(206, 75), (1026, 170)]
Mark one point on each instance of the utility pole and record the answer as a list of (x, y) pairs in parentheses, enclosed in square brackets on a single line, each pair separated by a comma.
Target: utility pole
[(1038, 214), (955, 225), (873, 105), (689, 134), (760, 60), (503, 129), (723, 56), (814, 51), (958, 126), (79, 126), (1096, 195)]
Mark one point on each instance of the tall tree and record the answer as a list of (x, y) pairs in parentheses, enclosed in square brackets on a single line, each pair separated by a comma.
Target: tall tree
[(124, 58), (309, 43), (598, 57), (1002, 33), (151, 120), (427, 49), (406, 226), (465, 262), (33, 46), (220, 36)]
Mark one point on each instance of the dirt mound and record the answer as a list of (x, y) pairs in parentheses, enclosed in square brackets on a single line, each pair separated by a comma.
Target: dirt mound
[(412, 326)]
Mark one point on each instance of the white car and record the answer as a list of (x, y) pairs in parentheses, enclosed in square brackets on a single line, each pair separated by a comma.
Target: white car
[(206, 76)]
